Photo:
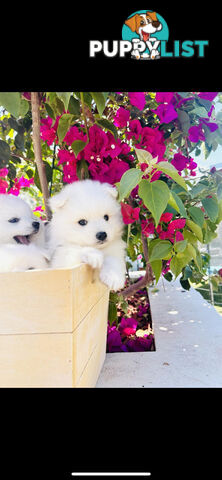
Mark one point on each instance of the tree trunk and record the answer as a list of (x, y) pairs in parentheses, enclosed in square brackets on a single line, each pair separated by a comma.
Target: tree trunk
[(38, 153)]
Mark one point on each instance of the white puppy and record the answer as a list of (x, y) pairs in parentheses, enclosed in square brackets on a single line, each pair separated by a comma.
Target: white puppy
[(87, 227), (22, 236)]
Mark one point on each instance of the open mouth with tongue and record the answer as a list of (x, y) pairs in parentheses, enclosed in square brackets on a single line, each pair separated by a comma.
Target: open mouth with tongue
[(145, 35), (23, 239)]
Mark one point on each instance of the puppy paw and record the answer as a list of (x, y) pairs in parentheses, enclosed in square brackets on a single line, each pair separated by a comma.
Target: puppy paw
[(93, 257), (112, 279)]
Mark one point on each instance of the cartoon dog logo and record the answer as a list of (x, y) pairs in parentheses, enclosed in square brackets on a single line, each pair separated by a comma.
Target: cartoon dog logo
[(145, 24)]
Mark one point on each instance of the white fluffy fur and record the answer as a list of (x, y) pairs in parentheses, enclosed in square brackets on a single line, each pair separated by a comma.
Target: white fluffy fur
[(72, 244), (14, 256)]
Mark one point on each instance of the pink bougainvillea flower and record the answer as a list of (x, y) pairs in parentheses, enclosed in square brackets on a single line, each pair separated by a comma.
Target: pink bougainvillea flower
[(129, 214), (208, 95), (3, 172), (137, 99), (114, 340), (179, 237), (148, 227), (139, 344), (179, 161), (211, 125), (96, 147), (110, 173), (74, 134), (3, 186), (128, 326), (23, 182), (175, 224), (135, 129), (220, 272), (14, 191), (113, 148), (152, 140), (195, 134), (213, 170), (164, 97), (38, 209), (65, 156), (69, 173), (166, 113), (166, 217), (192, 165), (121, 118), (47, 131), (166, 236)]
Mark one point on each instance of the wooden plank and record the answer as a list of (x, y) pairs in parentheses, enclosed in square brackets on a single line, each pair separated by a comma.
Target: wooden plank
[(36, 301), (87, 290), (41, 360), (90, 332)]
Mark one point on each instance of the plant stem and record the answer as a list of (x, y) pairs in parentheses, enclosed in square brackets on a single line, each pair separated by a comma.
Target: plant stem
[(148, 277), (83, 113), (38, 152)]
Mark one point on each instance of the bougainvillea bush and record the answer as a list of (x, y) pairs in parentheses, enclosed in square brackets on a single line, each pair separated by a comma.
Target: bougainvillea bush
[(146, 144)]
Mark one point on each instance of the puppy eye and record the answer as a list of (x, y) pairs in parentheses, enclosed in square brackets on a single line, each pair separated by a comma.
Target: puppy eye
[(83, 222), (142, 22), (14, 220), (106, 217)]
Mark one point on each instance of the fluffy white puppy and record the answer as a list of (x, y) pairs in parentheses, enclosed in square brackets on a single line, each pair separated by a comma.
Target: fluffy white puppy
[(22, 236), (87, 227)]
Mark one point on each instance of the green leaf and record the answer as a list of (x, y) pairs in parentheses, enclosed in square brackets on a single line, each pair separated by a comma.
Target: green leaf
[(195, 229), (157, 268), (112, 312), (64, 97), (197, 189), (184, 120), (197, 215), (50, 111), (176, 265), (99, 98), (177, 203), (128, 182), (4, 153), (108, 126), (78, 146), (11, 102), (219, 191), (199, 111), (211, 208), (170, 170), (187, 273), (160, 251), (63, 126), (180, 246), (74, 106), (155, 196), (24, 107), (145, 157)]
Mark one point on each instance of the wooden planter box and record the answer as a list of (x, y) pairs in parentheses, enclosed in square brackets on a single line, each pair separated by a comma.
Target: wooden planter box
[(53, 327)]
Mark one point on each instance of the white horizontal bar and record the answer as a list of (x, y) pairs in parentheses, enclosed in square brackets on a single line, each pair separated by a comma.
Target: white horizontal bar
[(111, 474)]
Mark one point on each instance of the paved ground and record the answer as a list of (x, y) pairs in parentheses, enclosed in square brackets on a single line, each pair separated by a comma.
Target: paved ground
[(188, 334)]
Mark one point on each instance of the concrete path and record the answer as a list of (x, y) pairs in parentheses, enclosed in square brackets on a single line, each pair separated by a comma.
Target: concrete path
[(188, 335)]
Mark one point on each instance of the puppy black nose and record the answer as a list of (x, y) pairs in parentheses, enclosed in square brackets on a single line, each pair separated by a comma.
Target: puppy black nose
[(156, 24), (101, 236), (36, 225)]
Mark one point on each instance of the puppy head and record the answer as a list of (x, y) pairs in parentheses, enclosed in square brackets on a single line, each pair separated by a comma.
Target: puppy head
[(18, 224), (144, 24), (86, 213)]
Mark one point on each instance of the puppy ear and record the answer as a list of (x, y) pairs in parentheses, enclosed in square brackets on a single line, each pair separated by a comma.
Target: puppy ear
[(131, 22), (110, 189), (58, 200)]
